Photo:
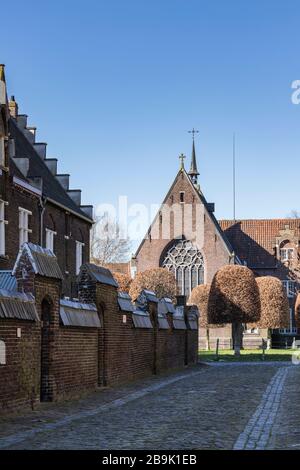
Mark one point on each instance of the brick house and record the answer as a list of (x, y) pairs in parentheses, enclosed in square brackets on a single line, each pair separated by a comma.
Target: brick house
[(36, 202), (270, 247), (186, 238)]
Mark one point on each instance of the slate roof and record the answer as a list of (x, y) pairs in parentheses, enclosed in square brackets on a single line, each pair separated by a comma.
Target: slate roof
[(8, 281), (43, 261), (254, 240), (37, 168)]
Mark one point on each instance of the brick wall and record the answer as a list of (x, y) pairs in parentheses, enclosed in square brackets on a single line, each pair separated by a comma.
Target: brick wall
[(53, 361), (20, 377), (54, 218)]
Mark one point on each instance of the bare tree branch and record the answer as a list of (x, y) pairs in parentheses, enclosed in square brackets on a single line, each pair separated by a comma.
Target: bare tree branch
[(107, 245)]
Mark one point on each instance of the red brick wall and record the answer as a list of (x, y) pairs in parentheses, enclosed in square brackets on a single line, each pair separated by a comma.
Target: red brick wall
[(20, 377)]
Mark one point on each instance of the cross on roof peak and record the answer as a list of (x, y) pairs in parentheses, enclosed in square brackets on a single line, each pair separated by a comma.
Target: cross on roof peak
[(193, 132), (181, 158)]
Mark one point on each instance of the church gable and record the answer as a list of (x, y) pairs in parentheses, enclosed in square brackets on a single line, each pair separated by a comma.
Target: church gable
[(185, 216)]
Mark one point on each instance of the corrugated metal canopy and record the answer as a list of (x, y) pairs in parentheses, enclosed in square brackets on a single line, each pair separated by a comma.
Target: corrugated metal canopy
[(100, 274), (193, 324), (166, 305), (150, 296), (163, 323), (179, 324), (8, 281), (178, 318), (124, 301), (79, 314), (43, 261), (141, 319), (15, 305)]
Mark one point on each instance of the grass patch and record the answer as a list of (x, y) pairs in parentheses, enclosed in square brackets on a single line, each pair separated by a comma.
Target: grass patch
[(249, 355)]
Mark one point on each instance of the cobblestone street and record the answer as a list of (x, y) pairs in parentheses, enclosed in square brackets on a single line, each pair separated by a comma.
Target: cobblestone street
[(222, 406)]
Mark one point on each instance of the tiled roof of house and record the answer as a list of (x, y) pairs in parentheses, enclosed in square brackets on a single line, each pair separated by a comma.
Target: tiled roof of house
[(254, 241)]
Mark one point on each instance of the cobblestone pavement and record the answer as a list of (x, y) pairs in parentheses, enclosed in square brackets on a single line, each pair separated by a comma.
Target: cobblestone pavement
[(205, 407)]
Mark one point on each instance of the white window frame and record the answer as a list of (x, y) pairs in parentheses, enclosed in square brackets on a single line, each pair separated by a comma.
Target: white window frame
[(289, 287), (2, 151), (79, 257), (24, 229), (3, 222), (285, 254), (49, 242)]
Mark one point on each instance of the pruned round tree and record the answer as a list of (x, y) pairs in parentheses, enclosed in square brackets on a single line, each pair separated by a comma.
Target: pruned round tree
[(275, 311), (124, 281), (159, 280), (234, 298), (200, 297)]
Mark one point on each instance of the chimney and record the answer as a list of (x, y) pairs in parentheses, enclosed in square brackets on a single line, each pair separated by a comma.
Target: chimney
[(13, 107)]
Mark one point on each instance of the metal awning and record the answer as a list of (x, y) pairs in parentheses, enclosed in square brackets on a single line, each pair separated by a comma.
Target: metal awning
[(178, 318), (124, 301), (16, 305), (163, 323), (141, 319), (79, 314)]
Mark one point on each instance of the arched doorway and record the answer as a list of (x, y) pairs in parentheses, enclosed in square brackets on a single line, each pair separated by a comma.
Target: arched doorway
[(46, 391), (187, 263)]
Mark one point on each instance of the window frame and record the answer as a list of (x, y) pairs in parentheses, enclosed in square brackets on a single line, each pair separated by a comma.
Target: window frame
[(78, 249), (50, 233), (24, 229)]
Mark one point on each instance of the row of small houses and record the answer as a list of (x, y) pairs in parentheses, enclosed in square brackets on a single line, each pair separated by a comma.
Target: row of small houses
[(52, 348)]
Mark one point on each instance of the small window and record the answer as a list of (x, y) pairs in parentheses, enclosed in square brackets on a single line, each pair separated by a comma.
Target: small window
[(181, 195), (290, 288), (79, 247), (2, 353), (50, 239), (287, 254), (23, 225)]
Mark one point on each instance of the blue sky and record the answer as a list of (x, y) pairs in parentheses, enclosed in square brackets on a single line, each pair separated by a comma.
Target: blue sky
[(114, 86)]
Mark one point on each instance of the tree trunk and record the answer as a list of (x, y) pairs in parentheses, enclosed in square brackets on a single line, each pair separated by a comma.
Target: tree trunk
[(207, 340), (237, 333)]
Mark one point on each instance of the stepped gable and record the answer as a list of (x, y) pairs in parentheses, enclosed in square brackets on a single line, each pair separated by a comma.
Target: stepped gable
[(28, 162)]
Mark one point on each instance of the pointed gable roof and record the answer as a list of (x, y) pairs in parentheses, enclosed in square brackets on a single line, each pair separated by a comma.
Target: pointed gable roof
[(200, 196)]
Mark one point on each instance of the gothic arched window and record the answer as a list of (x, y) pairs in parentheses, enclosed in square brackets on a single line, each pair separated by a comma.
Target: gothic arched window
[(187, 264)]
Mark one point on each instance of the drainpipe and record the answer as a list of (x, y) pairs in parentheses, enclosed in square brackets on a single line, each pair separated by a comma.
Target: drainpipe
[(42, 202)]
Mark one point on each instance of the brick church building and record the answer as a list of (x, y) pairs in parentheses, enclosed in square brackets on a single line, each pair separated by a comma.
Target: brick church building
[(36, 202), (187, 239)]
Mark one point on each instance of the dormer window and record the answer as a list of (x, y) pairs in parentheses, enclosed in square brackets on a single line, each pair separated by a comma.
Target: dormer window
[(287, 254)]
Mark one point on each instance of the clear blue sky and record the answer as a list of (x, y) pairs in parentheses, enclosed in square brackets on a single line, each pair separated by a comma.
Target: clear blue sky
[(113, 87)]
